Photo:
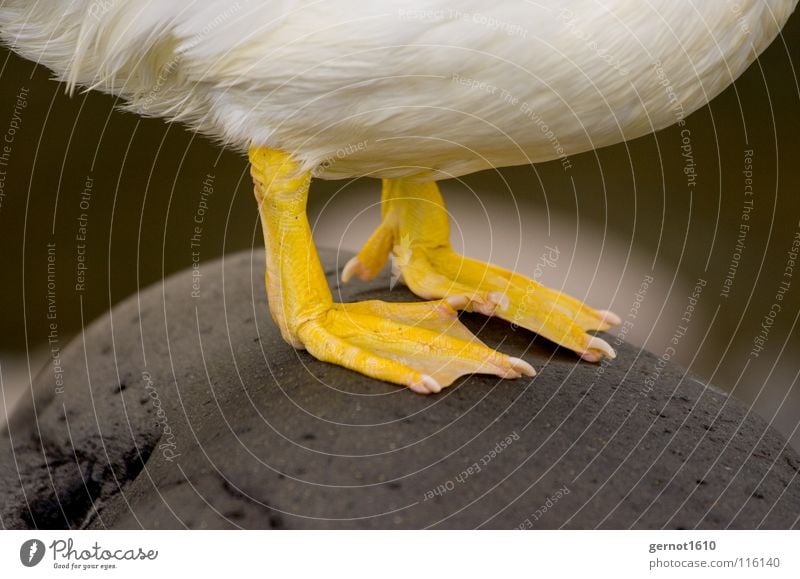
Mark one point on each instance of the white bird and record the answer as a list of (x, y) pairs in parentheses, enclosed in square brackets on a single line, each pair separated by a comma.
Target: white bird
[(410, 92)]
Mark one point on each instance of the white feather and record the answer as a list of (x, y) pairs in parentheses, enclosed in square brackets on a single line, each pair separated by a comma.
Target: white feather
[(396, 88)]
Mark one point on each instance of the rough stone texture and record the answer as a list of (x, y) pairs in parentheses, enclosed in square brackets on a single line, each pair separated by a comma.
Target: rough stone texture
[(262, 436)]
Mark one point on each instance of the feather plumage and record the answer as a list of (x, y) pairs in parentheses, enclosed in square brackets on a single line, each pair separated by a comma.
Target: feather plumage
[(395, 88)]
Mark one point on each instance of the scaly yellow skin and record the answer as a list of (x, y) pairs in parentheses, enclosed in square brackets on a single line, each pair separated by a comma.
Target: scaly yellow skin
[(419, 345), (416, 230)]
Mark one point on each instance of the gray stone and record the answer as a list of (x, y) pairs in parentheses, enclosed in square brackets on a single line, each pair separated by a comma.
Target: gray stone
[(251, 433)]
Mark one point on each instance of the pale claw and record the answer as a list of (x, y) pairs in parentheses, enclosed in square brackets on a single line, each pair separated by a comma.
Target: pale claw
[(352, 267), (426, 385), (490, 305), (596, 348), (457, 302), (522, 366), (609, 317)]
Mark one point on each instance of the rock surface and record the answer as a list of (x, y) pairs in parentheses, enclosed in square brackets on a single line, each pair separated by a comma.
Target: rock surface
[(184, 411)]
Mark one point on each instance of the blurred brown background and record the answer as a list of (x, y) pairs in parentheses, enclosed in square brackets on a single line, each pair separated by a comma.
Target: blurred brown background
[(628, 216)]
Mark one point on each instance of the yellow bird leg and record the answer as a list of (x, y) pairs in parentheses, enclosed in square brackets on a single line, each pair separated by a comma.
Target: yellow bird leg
[(419, 345), (416, 230)]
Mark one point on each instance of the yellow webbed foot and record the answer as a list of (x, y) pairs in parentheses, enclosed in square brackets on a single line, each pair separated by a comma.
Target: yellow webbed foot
[(494, 291), (415, 229), (419, 345)]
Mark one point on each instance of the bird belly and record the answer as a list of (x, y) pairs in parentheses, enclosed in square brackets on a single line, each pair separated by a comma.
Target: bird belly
[(438, 93), (404, 88)]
